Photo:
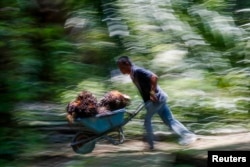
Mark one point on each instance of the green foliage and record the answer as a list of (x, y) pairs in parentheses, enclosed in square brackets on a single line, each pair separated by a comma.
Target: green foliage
[(216, 4), (199, 49)]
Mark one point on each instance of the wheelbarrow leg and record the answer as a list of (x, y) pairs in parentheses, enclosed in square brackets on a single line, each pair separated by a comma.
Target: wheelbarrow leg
[(121, 135), (116, 137)]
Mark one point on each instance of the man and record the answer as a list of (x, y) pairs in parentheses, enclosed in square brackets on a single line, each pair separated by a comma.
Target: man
[(155, 101)]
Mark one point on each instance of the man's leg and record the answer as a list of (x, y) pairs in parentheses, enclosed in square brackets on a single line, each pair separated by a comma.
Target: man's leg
[(176, 126), (151, 110)]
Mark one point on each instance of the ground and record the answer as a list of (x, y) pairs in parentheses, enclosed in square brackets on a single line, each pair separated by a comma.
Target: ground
[(50, 121), (133, 152)]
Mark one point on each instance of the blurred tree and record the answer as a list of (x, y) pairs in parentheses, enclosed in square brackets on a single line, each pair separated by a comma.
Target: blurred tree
[(40, 58), (33, 45), (8, 12)]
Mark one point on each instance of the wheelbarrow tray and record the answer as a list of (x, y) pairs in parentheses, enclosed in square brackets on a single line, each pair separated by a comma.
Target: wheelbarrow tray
[(103, 122)]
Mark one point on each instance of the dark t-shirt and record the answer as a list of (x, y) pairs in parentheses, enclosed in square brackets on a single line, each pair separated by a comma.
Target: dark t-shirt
[(142, 79)]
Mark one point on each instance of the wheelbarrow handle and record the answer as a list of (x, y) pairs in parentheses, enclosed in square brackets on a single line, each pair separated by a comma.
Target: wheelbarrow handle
[(139, 108)]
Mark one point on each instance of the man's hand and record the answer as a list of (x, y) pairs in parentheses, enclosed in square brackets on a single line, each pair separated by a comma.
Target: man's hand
[(153, 97)]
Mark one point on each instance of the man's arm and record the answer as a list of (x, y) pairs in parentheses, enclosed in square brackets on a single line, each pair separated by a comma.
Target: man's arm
[(153, 81)]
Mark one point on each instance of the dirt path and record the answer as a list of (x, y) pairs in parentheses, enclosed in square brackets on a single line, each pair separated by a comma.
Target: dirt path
[(134, 153)]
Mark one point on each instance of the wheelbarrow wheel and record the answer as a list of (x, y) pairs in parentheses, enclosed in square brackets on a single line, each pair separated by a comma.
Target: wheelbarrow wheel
[(83, 143)]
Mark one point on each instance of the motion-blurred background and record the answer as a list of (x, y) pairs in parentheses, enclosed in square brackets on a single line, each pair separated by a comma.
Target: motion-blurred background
[(52, 50)]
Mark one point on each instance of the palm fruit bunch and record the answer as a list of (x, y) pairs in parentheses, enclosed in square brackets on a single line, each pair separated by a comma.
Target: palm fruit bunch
[(113, 100), (85, 105)]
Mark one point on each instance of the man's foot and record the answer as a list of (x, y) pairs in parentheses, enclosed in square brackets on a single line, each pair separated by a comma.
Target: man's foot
[(149, 148), (187, 139)]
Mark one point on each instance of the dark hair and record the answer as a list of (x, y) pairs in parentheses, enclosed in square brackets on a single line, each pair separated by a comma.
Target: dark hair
[(124, 60)]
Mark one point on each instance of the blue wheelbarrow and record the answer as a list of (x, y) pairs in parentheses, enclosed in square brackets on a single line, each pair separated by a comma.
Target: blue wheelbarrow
[(102, 126)]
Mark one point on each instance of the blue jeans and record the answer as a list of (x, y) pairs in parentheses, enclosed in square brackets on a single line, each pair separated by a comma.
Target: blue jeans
[(167, 117)]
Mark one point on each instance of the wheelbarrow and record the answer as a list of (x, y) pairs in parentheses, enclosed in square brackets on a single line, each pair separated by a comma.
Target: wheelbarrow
[(108, 126)]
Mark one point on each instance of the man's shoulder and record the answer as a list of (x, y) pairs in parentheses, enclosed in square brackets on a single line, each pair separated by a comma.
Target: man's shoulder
[(140, 71)]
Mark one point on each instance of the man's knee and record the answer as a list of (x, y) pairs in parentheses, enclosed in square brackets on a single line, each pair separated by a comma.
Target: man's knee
[(147, 122)]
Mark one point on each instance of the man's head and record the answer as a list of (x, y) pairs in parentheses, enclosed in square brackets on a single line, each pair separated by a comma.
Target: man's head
[(124, 64)]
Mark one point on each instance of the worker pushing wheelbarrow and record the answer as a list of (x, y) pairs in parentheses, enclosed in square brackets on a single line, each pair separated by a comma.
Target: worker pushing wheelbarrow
[(102, 126)]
